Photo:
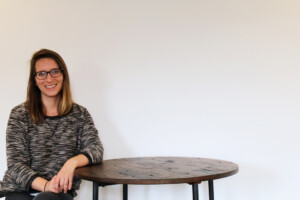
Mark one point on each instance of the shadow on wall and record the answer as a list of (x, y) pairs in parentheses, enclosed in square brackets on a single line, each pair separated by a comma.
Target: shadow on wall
[(92, 93), (250, 180)]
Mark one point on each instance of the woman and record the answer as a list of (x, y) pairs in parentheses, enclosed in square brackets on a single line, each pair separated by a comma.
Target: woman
[(48, 136)]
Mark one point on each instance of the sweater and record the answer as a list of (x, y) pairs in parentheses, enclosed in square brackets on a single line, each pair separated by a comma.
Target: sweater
[(41, 150)]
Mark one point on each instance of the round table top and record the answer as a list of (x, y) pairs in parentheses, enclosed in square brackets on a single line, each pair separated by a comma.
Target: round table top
[(157, 170)]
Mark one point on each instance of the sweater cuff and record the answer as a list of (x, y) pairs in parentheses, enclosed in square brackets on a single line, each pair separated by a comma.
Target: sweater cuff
[(88, 157), (28, 185)]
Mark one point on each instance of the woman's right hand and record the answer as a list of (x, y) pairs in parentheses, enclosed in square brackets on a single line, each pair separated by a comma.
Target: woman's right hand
[(53, 186)]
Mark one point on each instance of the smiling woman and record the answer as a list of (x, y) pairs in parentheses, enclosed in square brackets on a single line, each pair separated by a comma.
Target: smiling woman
[(48, 136), (50, 86), (52, 96)]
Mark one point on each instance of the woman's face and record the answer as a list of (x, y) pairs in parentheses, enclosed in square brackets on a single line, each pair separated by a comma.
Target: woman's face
[(50, 87)]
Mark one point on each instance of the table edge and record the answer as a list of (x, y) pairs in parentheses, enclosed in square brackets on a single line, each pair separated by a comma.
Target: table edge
[(189, 180)]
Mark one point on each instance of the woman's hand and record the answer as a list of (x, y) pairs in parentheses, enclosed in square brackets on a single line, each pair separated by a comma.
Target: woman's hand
[(64, 179), (65, 176), (52, 186)]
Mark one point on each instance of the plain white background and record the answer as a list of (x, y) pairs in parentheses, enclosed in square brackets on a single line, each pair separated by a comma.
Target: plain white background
[(215, 79)]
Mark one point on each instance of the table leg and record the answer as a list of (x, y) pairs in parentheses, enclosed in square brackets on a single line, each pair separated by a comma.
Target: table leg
[(211, 189), (125, 192), (95, 190), (195, 191)]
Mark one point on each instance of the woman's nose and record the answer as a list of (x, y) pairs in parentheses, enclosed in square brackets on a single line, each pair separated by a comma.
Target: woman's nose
[(49, 77)]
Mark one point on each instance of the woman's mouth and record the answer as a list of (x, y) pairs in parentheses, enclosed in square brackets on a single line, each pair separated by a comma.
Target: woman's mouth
[(50, 86)]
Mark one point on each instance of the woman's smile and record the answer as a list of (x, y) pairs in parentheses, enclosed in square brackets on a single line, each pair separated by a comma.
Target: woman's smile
[(50, 87)]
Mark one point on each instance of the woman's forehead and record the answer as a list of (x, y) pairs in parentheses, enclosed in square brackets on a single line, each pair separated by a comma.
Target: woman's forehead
[(45, 64)]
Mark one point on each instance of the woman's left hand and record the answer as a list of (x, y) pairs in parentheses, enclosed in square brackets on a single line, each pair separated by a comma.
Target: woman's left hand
[(65, 176)]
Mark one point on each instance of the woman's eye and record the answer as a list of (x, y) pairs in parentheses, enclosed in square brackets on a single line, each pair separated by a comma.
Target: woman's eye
[(41, 74), (55, 71)]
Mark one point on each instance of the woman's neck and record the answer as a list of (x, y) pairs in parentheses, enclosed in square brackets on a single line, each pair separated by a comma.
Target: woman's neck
[(50, 105)]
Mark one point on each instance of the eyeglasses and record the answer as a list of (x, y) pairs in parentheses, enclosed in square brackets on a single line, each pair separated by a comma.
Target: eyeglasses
[(43, 74)]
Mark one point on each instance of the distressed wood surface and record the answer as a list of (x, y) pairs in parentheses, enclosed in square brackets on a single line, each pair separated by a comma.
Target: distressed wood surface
[(157, 170)]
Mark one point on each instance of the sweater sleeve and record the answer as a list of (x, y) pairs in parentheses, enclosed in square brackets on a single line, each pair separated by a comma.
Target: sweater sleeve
[(17, 150), (91, 146)]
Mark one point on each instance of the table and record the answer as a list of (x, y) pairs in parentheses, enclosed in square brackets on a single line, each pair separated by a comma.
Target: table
[(156, 170)]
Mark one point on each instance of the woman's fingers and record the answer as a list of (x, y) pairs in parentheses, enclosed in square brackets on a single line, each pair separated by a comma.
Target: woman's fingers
[(70, 183), (65, 184)]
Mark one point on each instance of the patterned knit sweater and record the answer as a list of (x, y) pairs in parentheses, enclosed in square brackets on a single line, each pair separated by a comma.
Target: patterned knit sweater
[(41, 150)]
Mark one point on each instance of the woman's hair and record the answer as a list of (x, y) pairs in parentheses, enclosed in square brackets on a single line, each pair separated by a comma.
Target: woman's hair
[(33, 102)]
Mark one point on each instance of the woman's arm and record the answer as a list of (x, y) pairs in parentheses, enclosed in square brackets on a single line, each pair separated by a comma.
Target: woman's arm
[(39, 184), (17, 150), (64, 179), (90, 152), (44, 185), (66, 174), (90, 143)]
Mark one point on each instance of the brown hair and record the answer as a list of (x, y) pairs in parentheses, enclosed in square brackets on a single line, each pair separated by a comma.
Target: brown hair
[(34, 103)]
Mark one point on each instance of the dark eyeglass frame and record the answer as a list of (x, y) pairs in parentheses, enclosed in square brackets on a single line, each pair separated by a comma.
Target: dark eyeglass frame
[(51, 72)]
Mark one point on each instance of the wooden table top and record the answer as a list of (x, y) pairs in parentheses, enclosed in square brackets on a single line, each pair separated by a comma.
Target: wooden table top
[(157, 170)]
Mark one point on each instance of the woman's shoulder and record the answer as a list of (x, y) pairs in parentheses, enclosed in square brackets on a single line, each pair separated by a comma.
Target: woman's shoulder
[(20, 109), (79, 109), (19, 112)]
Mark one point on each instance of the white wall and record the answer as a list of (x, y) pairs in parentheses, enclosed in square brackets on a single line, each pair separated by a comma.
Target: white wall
[(217, 79)]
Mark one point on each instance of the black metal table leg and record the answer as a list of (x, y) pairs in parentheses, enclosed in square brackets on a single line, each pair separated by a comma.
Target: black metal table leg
[(195, 191), (125, 192), (211, 189), (95, 190)]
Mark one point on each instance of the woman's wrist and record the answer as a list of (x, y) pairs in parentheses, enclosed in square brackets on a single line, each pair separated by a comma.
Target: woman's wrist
[(39, 184)]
